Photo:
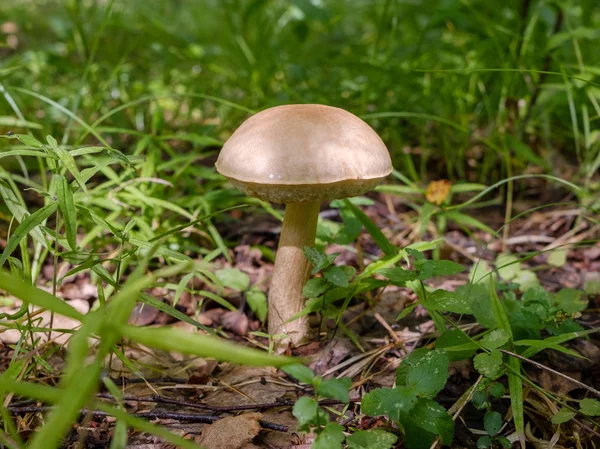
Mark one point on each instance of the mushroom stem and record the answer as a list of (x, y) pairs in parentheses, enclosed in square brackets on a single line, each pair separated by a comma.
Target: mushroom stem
[(291, 271)]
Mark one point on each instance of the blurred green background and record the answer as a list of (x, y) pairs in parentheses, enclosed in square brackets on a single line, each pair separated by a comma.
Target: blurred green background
[(455, 87)]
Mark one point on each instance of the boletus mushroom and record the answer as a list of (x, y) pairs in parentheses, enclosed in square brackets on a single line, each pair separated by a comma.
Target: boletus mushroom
[(300, 156)]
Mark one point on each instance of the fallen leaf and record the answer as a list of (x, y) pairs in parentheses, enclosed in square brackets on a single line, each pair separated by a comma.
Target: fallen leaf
[(233, 432)]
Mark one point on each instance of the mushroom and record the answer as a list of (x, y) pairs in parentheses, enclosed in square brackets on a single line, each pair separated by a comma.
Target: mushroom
[(300, 156)]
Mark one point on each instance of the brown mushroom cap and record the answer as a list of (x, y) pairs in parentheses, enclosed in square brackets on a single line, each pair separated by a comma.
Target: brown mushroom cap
[(300, 153)]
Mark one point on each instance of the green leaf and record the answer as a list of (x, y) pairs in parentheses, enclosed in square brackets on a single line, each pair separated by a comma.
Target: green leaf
[(571, 300), (305, 410), (335, 389), (331, 437), (484, 442), (172, 339), (480, 400), (500, 316), (495, 339), (590, 407), (388, 401), (158, 304), (318, 259), (558, 339), (424, 371), (433, 268), (515, 388), (546, 344), (490, 365), (315, 288), (578, 33), (233, 278), (336, 276), (67, 160), (398, 276), (481, 272), (371, 439), (526, 279), (300, 372), (18, 210), (67, 208), (504, 442), (508, 266), (257, 301), (415, 437), (481, 307), (372, 229), (492, 423), (557, 258), (26, 226), (434, 418), (29, 141), (497, 390), (467, 220), (445, 301), (452, 338), (36, 153), (563, 415)]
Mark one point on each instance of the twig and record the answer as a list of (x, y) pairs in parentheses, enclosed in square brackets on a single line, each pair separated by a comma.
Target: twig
[(156, 380), (391, 332), (209, 419), (558, 373), (217, 408)]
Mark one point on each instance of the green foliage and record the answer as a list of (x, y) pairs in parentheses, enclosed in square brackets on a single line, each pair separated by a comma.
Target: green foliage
[(233, 278), (490, 365), (590, 407), (161, 91), (563, 415), (420, 376), (371, 439), (311, 416)]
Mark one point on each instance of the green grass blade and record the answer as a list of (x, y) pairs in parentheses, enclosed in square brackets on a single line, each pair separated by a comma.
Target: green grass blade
[(556, 340), (514, 381), (194, 222), (499, 313), (515, 386), (35, 296), (64, 111), (372, 229), (52, 396), (67, 208), (68, 161), (27, 225), (23, 153), (171, 339), (169, 310), (73, 397), (18, 210), (467, 220)]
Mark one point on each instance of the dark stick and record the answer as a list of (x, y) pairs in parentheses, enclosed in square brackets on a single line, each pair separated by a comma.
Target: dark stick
[(209, 419), (217, 408)]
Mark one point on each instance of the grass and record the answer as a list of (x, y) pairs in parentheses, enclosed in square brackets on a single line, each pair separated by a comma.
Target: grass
[(112, 114)]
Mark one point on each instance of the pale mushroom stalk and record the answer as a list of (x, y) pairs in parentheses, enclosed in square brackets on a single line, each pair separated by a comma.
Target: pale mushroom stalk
[(291, 271)]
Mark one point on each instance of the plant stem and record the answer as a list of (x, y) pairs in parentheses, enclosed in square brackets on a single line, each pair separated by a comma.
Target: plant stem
[(291, 271)]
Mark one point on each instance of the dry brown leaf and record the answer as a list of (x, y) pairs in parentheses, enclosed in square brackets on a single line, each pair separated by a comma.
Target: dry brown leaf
[(232, 432)]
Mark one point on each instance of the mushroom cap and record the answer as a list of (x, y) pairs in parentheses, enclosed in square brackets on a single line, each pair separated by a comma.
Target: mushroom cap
[(300, 153)]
